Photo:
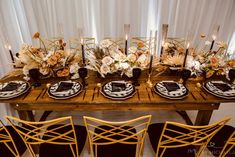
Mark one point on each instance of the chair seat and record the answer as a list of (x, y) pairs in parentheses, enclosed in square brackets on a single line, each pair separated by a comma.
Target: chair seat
[(20, 145), (155, 131), (217, 143), (49, 150), (117, 149)]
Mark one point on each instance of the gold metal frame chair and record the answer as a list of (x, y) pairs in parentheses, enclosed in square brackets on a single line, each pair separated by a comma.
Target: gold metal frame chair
[(36, 133), (142, 42), (178, 42), (51, 43), (198, 136), (116, 42), (230, 144), (75, 43), (7, 140), (103, 133)]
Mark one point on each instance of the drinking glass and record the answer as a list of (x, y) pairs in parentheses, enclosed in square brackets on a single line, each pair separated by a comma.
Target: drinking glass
[(34, 75)]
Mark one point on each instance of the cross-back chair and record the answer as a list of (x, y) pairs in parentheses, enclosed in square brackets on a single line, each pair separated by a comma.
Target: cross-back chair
[(116, 42), (117, 139), (58, 137), (51, 44), (142, 42), (75, 43), (11, 144), (223, 143), (170, 138)]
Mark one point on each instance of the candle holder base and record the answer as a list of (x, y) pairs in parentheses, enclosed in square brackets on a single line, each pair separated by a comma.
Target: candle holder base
[(149, 82)]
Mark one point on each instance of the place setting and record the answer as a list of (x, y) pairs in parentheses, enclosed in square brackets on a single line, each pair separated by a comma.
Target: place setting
[(64, 89), (13, 89), (221, 88), (118, 90)]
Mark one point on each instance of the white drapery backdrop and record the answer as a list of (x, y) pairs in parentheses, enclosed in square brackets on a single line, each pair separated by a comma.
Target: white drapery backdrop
[(19, 19)]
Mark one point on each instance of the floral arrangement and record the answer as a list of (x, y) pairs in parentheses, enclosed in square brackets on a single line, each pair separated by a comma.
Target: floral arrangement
[(173, 54), (51, 63), (108, 59), (214, 62)]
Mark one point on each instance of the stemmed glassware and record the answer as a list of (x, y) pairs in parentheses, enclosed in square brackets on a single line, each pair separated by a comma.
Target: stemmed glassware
[(136, 72), (186, 73), (231, 75), (34, 75), (83, 74)]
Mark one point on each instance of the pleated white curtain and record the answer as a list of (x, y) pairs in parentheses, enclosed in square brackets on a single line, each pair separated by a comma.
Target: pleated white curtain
[(19, 19)]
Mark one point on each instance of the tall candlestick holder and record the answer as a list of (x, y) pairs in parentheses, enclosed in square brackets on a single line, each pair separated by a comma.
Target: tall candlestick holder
[(149, 82)]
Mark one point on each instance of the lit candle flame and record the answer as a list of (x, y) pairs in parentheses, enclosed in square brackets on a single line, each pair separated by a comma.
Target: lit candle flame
[(126, 36), (213, 37), (82, 41), (9, 47), (163, 42), (188, 45)]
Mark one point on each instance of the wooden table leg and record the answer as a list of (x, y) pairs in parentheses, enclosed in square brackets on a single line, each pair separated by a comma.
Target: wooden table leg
[(203, 117), (26, 115), (185, 116)]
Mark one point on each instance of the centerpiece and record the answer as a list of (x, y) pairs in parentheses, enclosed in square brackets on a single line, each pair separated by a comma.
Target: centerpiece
[(109, 58), (56, 62)]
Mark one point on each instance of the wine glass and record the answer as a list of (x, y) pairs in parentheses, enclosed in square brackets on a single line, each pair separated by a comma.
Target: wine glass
[(34, 75), (231, 75), (83, 74), (136, 72), (185, 75)]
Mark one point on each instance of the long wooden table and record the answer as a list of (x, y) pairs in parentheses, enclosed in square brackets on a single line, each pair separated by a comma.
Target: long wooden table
[(91, 99)]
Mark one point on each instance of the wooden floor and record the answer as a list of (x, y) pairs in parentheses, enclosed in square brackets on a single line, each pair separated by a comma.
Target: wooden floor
[(226, 110)]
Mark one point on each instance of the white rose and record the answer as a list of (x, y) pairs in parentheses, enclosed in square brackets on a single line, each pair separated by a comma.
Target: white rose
[(107, 60), (132, 58), (74, 68), (104, 69), (128, 72), (124, 65), (143, 60), (75, 76), (132, 49), (105, 43), (44, 71)]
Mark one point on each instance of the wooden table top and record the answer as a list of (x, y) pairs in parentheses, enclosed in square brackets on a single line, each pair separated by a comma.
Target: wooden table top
[(91, 97)]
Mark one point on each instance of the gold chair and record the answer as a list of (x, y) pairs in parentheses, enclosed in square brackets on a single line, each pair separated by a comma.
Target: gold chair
[(116, 42), (51, 44), (11, 144), (75, 43), (115, 139), (58, 137), (142, 42), (222, 144), (171, 139)]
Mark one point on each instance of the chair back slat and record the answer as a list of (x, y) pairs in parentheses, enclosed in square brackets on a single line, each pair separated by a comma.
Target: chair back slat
[(58, 131), (130, 132), (179, 135), (229, 145), (7, 140)]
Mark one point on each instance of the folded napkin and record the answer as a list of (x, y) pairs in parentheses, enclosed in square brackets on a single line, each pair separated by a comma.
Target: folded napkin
[(171, 86), (222, 86), (10, 87), (118, 87), (64, 86)]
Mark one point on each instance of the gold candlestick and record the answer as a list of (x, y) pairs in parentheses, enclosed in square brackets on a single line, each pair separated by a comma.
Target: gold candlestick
[(149, 82)]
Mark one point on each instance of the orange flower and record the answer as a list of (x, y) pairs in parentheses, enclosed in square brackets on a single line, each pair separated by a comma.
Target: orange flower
[(52, 60), (140, 45), (63, 72), (214, 61), (36, 35)]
